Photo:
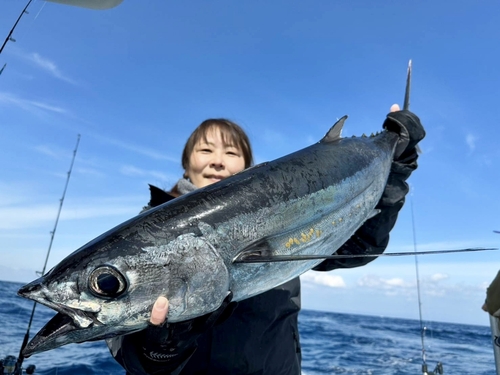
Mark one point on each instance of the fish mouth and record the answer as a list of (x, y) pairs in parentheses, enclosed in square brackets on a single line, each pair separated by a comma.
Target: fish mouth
[(67, 326), (60, 330)]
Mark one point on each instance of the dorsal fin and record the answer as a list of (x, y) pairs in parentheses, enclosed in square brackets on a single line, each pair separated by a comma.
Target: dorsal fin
[(335, 131)]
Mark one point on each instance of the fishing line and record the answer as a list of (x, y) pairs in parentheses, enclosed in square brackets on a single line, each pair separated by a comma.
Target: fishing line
[(20, 358), (28, 25), (422, 328), (40, 11), (439, 366)]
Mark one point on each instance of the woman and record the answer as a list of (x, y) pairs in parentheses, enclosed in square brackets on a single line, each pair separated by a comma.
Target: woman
[(259, 335), (241, 342), (217, 148)]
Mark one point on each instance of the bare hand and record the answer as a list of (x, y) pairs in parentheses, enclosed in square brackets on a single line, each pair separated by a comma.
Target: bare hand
[(159, 312), (395, 108)]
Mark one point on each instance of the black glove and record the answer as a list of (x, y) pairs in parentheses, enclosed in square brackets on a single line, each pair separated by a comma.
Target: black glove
[(166, 349), (410, 130), (373, 236)]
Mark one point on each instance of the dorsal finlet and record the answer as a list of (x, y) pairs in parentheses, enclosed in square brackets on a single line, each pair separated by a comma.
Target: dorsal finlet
[(335, 131)]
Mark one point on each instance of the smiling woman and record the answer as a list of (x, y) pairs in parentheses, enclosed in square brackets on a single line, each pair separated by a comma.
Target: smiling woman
[(217, 149)]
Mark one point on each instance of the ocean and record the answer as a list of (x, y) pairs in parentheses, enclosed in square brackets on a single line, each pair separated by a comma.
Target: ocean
[(332, 343)]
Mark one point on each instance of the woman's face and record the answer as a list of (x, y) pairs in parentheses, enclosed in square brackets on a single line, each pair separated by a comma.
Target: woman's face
[(212, 161)]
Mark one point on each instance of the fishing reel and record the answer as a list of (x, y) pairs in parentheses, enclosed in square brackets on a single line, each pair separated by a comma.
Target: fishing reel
[(9, 366), (437, 371)]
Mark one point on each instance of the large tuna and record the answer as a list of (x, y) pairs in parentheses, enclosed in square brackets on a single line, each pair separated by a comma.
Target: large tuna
[(193, 249)]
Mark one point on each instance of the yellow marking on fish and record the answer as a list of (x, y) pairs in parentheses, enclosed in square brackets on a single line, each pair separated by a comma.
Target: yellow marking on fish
[(333, 222), (289, 243), (340, 220), (304, 237)]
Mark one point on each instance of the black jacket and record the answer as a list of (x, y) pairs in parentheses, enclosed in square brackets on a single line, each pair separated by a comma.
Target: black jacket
[(261, 336), (244, 343)]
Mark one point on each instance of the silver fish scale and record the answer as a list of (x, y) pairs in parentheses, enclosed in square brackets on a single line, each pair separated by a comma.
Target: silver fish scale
[(327, 228), (198, 281)]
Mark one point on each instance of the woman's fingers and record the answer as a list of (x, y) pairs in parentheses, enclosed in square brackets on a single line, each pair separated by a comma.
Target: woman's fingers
[(159, 312), (395, 108)]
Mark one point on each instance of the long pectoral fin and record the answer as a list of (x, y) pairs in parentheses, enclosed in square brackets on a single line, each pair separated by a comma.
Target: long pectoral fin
[(255, 258), (257, 250)]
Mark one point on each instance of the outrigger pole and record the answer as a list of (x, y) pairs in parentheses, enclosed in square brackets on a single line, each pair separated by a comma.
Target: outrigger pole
[(21, 357)]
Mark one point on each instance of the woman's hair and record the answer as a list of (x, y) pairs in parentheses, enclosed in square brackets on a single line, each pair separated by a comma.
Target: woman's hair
[(232, 134)]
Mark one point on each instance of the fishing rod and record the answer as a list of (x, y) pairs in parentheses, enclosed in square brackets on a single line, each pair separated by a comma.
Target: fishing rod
[(21, 357), (422, 328), (9, 36), (439, 366)]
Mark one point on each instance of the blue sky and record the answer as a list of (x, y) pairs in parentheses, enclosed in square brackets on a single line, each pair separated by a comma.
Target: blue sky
[(135, 80)]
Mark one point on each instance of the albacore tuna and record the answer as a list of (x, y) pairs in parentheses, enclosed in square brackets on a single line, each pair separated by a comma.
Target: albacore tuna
[(193, 248)]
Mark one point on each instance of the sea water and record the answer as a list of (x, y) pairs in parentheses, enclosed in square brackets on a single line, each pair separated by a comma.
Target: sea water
[(332, 343)]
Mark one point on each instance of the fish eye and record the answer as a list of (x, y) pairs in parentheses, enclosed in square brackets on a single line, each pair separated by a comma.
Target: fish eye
[(106, 281)]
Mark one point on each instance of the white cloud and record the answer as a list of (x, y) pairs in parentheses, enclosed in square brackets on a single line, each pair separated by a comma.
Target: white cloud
[(396, 282), (15, 274), (438, 277), (46, 150), (90, 172), (323, 278), (377, 282), (47, 107), (28, 216), (32, 106), (471, 139), (137, 149), (132, 171), (50, 67)]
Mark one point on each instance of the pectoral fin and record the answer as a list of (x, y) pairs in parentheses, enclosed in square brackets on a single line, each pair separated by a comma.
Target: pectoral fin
[(260, 249)]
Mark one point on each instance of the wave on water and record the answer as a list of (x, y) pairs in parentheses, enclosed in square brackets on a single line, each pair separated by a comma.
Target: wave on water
[(332, 343)]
